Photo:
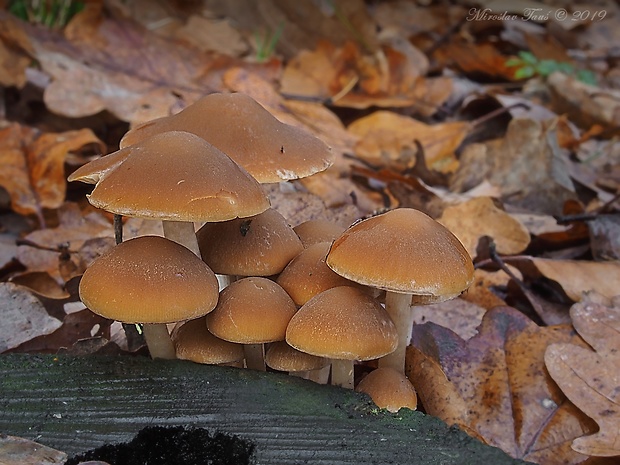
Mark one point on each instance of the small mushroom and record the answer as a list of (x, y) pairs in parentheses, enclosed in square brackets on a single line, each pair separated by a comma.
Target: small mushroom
[(252, 311), (193, 341), (282, 357), (410, 256), (153, 281), (343, 324), (389, 389), (314, 231), (307, 274)]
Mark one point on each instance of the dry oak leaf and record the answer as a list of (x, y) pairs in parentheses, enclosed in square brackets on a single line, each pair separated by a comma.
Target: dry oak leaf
[(579, 276), (388, 139), (591, 379), (475, 218), (495, 386), (33, 165)]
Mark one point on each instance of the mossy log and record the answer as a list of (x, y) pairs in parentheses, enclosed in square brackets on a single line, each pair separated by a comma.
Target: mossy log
[(76, 404)]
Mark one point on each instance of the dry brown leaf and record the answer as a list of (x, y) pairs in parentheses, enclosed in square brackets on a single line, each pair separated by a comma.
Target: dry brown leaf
[(42, 250), (586, 105), (579, 276), (216, 35), (33, 165), (118, 65), (23, 316), (477, 60), (387, 138), (482, 293), (495, 385), (21, 451), (473, 219), (345, 76), (591, 379), (527, 165), (459, 315)]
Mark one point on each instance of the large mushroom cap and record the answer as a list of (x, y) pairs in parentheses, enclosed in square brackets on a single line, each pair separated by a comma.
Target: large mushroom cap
[(149, 279), (403, 251), (268, 149), (342, 323), (177, 176)]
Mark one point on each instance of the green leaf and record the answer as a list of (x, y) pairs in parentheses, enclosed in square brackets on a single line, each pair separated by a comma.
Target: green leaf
[(528, 57), (525, 72)]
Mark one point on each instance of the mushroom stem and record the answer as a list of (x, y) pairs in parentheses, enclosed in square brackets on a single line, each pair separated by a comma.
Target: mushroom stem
[(320, 376), (254, 356), (158, 341), (182, 232), (342, 373), (398, 306)]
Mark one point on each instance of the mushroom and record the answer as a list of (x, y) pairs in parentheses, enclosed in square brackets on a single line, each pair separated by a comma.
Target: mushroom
[(282, 357), (389, 389), (343, 324), (314, 231), (271, 151), (307, 274), (150, 280), (193, 341), (252, 311), (261, 245), (178, 178), (410, 256)]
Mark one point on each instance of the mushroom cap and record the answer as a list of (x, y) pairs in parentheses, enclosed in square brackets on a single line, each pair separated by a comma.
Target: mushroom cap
[(268, 149), (92, 172), (258, 246), (193, 341), (389, 389), (403, 251), (178, 176), (343, 323), (308, 275), (282, 357), (252, 311), (314, 231), (149, 279)]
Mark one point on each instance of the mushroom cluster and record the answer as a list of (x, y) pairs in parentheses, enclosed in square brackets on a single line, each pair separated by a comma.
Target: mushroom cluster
[(296, 300)]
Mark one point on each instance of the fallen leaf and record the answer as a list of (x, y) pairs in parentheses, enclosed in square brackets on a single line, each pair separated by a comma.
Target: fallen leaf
[(605, 237), (478, 59), (21, 451), (579, 276), (489, 288), (586, 105), (527, 165), (591, 379), (473, 219), (459, 315), (216, 35), (33, 165), (387, 140), (495, 385), (23, 316)]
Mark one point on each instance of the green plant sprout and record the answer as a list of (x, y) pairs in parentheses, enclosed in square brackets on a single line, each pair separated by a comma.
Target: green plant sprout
[(528, 66), (54, 14), (266, 43)]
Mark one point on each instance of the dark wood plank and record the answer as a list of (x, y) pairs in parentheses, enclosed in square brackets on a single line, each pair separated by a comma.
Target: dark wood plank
[(76, 404)]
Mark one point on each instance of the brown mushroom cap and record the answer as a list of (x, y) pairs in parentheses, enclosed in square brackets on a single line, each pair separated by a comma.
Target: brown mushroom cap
[(252, 311), (92, 172), (282, 357), (177, 176), (308, 275), (193, 341), (258, 246), (268, 149), (389, 389), (314, 231), (403, 251), (342, 323), (149, 279)]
